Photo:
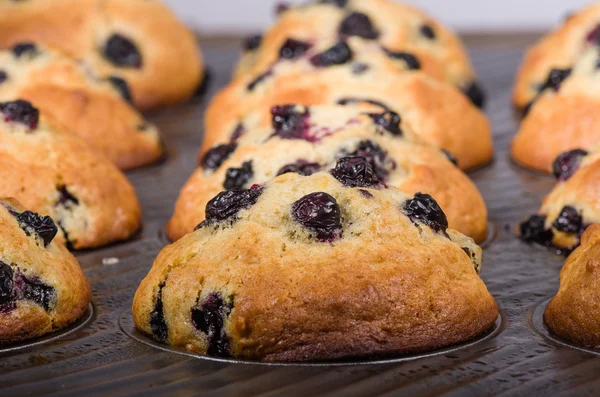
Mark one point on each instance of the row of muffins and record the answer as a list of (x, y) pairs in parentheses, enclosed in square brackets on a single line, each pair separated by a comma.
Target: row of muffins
[(73, 79), (319, 225)]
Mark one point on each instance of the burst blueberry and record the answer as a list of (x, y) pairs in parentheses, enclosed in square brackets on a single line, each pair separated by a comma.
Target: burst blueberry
[(355, 172), (533, 230), (21, 49), (425, 210), (237, 178), (290, 122), (226, 205), (319, 213), (378, 158), (389, 121), (21, 112), (158, 324), (122, 88), (42, 226), (209, 318), (411, 61), (6, 283), (569, 220)]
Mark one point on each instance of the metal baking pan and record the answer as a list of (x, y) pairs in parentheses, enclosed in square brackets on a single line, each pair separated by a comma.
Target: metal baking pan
[(105, 356)]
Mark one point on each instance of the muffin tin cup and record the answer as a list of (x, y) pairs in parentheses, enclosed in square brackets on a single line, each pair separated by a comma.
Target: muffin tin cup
[(127, 326)]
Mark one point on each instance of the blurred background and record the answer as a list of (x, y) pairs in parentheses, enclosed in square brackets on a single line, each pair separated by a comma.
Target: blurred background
[(236, 17)]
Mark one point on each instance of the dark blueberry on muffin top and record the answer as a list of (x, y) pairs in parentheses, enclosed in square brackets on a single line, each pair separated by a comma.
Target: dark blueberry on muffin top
[(227, 204), (424, 209), (569, 220), (123, 52), (216, 156), (358, 24), (293, 49), (320, 214), (21, 112), (339, 54), (42, 226), (355, 172), (567, 163)]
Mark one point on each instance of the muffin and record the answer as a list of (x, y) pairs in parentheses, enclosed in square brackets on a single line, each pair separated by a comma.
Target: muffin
[(306, 140), (574, 314), (404, 37), (94, 107), (139, 41), (573, 204), (55, 173), (42, 287), (564, 114), (312, 269), (437, 112)]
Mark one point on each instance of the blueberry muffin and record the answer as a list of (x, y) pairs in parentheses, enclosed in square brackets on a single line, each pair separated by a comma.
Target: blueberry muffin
[(322, 267), (140, 41), (564, 114), (55, 173), (93, 107), (573, 204), (306, 140), (42, 287), (555, 54), (437, 112), (573, 313), (403, 37)]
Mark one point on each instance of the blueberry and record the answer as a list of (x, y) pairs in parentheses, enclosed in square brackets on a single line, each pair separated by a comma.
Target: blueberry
[(252, 43), (475, 93), (389, 121), (358, 24), (300, 167), (6, 283), (158, 324), (289, 123), (24, 49), (20, 112), (366, 193), (355, 172), (569, 221), (122, 87), (353, 101), (203, 84), (293, 49), (427, 31), (412, 62), (339, 54), (378, 158), (281, 7), (43, 226), (238, 132), (319, 213), (424, 209), (450, 157), (66, 198), (237, 178), (121, 51), (34, 289), (216, 156), (567, 163), (534, 231), (209, 318), (3, 76), (555, 79), (593, 37), (227, 204), (359, 68), (337, 3), (259, 79)]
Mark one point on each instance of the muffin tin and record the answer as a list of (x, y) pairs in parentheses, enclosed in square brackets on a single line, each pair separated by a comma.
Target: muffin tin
[(106, 356)]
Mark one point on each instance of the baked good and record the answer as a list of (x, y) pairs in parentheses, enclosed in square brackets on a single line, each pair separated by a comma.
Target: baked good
[(94, 107), (573, 313), (309, 269), (55, 173), (564, 114), (406, 36), (558, 50), (308, 139), (437, 112), (42, 287), (573, 204), (140, 41)]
